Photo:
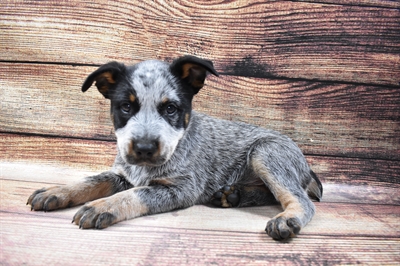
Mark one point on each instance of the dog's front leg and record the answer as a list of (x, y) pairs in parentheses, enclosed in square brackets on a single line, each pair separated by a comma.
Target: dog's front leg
[(161, 195), (91, 188)]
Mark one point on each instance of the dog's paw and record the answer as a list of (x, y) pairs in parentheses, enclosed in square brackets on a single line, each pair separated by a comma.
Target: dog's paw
[(282, 228), (226, 197), (48, 199), (107, 211), (104, 212), (94, 215)]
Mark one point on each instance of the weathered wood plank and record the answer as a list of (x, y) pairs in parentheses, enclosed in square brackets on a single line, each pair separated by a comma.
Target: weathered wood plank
[(359, 233), (366, 194), (37, 241), (370, 3), (348, 190), (44, 99), (263, 39), (99, 155), (323, 118), (68, 152), (331, 219), (355, 171)]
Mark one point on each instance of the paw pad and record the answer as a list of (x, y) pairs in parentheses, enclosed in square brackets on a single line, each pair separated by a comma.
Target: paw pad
[(226, 197)]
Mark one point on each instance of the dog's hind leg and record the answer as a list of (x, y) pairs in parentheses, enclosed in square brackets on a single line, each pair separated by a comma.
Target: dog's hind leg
[(286, 185)]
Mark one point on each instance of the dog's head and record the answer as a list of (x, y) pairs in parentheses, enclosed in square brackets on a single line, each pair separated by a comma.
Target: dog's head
[(151, 104)]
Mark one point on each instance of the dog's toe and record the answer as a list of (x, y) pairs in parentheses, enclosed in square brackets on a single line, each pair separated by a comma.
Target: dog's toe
[(105, 220), (226, 197), (233, 198), (96, 214)]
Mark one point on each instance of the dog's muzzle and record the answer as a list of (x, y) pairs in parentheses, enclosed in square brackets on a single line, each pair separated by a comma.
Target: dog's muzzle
[(144, 152)]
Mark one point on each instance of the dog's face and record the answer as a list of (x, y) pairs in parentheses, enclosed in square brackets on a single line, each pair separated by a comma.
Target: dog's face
[(150, 104)]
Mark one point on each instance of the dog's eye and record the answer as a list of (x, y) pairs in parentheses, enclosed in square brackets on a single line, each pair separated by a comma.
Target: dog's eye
[(171, 109), (125, 107)]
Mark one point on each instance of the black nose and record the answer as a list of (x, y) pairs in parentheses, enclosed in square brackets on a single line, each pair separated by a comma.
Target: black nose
[(145, 150)]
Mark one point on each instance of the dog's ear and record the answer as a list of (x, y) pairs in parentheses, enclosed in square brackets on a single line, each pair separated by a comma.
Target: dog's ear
[(106, 77), (192, 70)]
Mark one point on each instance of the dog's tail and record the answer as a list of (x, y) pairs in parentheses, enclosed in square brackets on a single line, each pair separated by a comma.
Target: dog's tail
[(315, 189)]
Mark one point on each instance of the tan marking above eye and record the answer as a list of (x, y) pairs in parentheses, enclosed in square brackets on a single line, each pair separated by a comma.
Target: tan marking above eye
[(165, 100)]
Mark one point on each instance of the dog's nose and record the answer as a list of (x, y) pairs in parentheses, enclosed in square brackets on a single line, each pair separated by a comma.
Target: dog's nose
[(145, 150)]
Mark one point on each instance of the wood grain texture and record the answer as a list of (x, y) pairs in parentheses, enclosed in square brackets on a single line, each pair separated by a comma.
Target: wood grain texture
[(44, 99), (355, 171), (347, 43), (338, 234), (344, 190), (135, 245), (100, 154), (347, 216), (369, 3), (62, 151), (323, 118)]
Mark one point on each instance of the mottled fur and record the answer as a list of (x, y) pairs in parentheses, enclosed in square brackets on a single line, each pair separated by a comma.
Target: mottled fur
[(171, 157)]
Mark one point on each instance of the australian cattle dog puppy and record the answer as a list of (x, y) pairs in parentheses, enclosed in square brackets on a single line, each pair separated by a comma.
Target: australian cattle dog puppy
[(171, 157)]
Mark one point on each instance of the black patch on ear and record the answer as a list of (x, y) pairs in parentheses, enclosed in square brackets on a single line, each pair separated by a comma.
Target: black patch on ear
[(192, 71), (106, 77)]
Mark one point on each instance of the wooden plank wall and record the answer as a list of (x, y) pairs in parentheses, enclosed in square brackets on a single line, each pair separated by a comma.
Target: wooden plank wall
[(324, 72)]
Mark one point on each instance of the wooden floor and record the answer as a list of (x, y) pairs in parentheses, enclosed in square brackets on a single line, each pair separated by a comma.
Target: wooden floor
[(353, 225)]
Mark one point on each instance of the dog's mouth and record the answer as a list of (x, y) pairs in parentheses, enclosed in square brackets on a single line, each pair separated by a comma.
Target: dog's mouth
[(150, 162)]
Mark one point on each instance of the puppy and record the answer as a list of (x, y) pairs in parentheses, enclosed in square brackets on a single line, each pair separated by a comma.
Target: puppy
[(171, 157)]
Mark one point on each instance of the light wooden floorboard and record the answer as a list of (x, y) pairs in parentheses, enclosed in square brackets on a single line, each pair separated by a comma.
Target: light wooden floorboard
[(340, 233)]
